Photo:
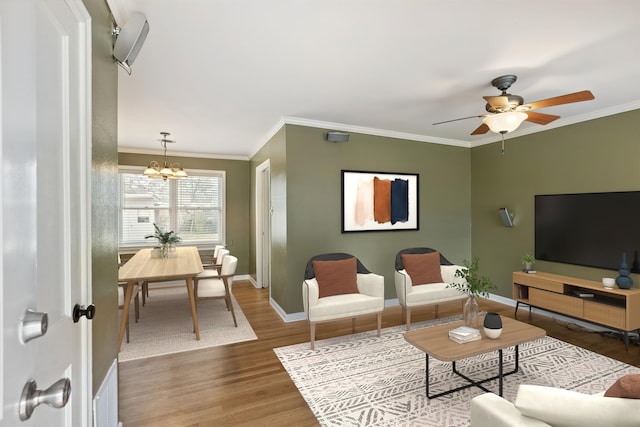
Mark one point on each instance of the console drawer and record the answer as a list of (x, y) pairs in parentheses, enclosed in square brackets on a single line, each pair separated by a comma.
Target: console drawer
[(540, 283), (556, 302), (605, 314)]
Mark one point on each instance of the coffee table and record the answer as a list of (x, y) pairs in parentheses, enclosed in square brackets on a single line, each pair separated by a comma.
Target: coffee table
[(435, 342)]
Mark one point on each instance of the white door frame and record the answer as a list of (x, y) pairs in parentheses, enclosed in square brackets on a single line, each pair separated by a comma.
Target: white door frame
[(263, 214)]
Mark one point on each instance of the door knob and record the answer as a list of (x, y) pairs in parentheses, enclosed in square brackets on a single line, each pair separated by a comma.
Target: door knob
[(79, 311), (55, 396), (34, 325)]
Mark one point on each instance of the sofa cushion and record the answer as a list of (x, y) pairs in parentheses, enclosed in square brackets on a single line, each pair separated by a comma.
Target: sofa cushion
[(627, 386), (336, 277), (423, 268), (568, 408)]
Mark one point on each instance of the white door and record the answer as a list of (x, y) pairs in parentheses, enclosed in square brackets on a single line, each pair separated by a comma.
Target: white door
[(263, 225), (45, 149)]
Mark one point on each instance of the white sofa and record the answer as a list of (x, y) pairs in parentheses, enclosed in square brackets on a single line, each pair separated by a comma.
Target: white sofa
[(420, 295), (537, 406)]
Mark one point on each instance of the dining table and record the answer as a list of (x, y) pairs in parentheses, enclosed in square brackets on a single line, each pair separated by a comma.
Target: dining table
[(182, 264)]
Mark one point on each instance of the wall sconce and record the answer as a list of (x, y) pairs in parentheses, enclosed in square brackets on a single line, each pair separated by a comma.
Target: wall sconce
[(507, 217)]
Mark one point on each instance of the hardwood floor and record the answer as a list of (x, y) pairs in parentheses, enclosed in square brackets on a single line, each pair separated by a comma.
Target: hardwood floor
[(244, 384)]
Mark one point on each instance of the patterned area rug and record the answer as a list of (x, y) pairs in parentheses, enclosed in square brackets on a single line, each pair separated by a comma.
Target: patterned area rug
[(166, 326), (363, 380)]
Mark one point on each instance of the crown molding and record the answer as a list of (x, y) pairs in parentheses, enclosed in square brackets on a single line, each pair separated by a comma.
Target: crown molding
[(372, 131), (134, 150)]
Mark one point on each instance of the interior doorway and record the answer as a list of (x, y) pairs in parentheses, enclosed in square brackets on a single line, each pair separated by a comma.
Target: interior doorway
[(263, 225)]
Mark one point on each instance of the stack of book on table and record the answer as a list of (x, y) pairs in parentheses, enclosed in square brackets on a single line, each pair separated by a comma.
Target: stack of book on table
[(463, 334)]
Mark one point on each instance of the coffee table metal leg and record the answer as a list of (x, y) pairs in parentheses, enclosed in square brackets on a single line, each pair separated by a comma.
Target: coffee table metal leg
[(474, 383), (500, 375), (427, 371)]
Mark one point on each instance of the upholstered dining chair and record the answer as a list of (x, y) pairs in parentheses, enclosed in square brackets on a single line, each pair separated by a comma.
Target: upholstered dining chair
[(337, 286), (211, 261), (422, 276), (219, 287), (214, 269)]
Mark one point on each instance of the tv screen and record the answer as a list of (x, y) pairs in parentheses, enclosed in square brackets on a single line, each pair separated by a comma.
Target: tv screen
[(592, 229)]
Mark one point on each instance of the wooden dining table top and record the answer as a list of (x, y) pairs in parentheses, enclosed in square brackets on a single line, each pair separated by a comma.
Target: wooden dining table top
[(185, 262)]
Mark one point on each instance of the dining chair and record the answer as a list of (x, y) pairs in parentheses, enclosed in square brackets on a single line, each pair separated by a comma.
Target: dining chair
[(219, 287), (211, 262), (214, 270)]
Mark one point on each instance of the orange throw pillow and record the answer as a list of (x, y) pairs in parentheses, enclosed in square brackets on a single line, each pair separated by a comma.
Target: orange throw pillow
[(423, 268), (336, 277), (627, 386)]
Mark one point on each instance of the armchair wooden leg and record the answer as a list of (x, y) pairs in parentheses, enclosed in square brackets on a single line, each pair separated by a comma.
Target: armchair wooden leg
[(408, 319), (312, 331), (353, 325), (379, 322)]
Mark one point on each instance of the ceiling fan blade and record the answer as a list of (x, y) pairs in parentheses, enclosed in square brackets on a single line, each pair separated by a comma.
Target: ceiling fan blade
[(481, 130), (497, 101), (455, 120), (584, 95), (540, 118)]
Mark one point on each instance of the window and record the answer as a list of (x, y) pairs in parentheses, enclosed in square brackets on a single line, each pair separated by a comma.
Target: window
[(193, 207)]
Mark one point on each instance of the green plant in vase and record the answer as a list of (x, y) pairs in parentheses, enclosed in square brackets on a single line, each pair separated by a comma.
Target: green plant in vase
[(166, 239), (528, 260), (473, 285)]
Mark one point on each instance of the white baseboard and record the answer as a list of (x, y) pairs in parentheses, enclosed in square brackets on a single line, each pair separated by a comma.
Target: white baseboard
[(295, 317)]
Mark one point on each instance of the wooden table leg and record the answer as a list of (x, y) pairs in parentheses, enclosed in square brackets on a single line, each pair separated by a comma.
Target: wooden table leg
[(128, 293), (192, 300)]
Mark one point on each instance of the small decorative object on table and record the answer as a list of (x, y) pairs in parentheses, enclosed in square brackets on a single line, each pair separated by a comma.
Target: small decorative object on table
[(623, 280), (166, 239), (608, 282), (528, 260), (492, 325), (473, 286)]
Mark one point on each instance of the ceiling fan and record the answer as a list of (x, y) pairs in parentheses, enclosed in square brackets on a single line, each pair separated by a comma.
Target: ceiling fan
[(506, 111)]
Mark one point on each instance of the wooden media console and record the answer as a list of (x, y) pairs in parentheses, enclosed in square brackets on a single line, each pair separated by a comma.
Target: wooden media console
[(581, 299)]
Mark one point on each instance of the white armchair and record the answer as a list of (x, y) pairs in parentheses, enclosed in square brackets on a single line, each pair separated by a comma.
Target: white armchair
[(325, 298), (432, 292)]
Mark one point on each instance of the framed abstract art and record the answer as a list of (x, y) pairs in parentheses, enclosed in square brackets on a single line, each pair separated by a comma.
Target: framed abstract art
[(379, 201)]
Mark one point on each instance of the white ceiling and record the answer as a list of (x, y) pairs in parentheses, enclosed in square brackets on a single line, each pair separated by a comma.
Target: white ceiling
[(223, 76)]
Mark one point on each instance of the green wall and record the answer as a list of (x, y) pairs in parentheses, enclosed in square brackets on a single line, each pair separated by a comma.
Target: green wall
[(593, 156), (237, 197), (274, 151), (312, 217), (104, 220)]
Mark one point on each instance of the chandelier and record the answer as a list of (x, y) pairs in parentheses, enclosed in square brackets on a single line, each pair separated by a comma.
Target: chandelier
[(167, 170)]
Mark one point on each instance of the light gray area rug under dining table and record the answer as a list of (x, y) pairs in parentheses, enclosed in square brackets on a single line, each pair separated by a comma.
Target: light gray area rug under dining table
[(166, 326), (365, 380)]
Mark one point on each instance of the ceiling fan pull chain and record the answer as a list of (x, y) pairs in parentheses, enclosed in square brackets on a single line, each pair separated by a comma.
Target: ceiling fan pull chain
[(502, 135)]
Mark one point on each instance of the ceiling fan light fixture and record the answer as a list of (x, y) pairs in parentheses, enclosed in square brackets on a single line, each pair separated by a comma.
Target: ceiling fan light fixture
[(505, 122)]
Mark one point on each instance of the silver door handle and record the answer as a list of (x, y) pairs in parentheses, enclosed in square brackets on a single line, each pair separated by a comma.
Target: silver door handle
[(55, 396)]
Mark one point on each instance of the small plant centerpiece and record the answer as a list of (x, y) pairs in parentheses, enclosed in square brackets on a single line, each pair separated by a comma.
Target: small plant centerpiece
[(474, 285), (167, 239), (528, 260)]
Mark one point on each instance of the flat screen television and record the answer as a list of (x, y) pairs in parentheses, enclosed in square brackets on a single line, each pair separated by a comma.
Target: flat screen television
[(589, 229)]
